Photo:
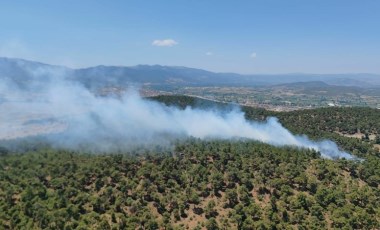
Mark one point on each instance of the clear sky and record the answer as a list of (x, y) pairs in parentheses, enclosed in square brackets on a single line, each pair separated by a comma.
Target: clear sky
[(268, 36)]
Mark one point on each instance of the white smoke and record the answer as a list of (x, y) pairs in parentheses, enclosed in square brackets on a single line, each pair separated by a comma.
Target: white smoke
[(109, 123)]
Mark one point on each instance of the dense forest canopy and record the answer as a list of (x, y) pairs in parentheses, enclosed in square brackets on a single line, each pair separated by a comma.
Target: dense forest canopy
[(202, 184)]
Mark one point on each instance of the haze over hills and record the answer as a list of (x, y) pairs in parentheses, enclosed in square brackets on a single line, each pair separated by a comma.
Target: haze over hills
[(22, 71)]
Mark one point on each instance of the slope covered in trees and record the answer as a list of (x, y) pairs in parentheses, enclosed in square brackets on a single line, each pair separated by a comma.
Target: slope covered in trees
[(211, 184), (201, 184), (344, 119), (322, 123)]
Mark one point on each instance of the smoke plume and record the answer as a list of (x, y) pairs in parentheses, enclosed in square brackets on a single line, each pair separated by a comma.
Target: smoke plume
[(48, 104)]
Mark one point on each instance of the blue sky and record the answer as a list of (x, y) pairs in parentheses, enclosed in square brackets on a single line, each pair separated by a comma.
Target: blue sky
[(268, 36)]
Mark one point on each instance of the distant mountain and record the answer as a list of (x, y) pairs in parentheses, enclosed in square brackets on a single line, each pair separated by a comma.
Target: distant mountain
[(23, 71), (160, 75)]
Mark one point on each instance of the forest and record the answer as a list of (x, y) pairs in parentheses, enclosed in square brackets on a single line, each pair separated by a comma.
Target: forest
[(202, 184)]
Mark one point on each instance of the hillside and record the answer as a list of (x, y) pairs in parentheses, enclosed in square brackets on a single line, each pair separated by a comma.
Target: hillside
[(217, 184), (209, 184), (332, 123)]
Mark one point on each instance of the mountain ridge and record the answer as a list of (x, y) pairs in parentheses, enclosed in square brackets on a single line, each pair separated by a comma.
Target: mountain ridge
[(102, 75)]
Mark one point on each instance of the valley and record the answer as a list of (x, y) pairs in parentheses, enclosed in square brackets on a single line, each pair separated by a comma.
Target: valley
[(288, 97)]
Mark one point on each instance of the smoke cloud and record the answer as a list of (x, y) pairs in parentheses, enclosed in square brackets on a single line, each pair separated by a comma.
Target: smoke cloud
[(48, 104)]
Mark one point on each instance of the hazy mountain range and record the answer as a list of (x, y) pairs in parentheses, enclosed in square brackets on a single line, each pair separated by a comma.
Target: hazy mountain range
[(21, 71)]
